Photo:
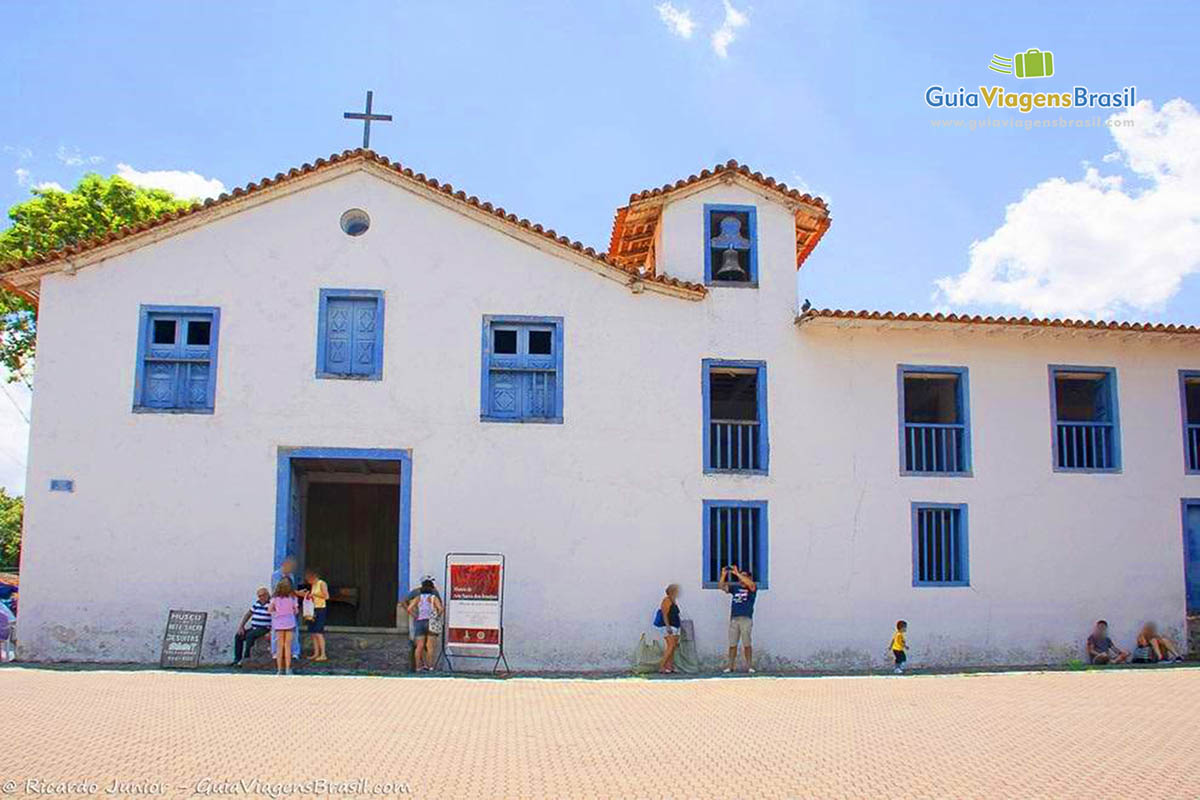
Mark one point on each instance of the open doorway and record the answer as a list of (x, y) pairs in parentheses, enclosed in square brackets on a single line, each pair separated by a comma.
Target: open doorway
[(346, 513)]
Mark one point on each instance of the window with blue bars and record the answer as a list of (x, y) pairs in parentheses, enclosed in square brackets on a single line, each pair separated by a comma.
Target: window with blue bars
[(176, 359), (522, 369), (940, 555), (935, 432), (350, 334), (1190, 391), (1086, 431), (735, 534), (735, 416)]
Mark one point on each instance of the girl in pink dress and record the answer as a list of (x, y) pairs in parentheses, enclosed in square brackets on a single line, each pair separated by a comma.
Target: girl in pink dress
[(283, 609)]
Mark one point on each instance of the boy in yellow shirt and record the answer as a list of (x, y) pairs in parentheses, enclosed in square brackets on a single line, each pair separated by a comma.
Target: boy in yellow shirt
[(899, 645)]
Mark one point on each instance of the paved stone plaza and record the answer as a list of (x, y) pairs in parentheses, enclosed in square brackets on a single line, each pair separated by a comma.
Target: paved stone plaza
[(1097, 734)]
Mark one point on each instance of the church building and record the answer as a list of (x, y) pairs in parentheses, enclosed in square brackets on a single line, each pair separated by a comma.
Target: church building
[(359, 365)]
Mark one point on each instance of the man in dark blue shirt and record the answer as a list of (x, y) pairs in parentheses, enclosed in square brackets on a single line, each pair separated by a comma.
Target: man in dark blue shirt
[(741, 612)]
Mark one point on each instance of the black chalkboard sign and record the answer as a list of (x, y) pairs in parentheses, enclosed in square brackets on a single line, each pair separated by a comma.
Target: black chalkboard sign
[(183, 638)]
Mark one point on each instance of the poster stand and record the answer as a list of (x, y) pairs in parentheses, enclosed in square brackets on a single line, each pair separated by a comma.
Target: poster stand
[(448, 587)]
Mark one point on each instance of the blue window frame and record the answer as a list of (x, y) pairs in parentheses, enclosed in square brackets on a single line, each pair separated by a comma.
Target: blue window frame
[(935, 420), (176, 359), (939, 545), (350, 334), (522, 374), (730, 245), (1189, 399), (735, 416), (1087, 432), (735, 532)]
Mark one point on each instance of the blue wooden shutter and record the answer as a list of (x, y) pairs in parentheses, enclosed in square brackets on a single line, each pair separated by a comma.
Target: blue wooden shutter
[(339, 325), (162, 369), (363, 335), (540, 379), (196, 370), (506, 384)]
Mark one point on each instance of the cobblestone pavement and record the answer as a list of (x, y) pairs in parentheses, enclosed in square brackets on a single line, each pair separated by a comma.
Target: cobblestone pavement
[(1125, 733)]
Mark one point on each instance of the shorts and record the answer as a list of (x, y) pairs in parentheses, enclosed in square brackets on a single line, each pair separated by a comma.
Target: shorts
[(317, 623), (739, 628), (899, 656), (420, 627), (670, 630)]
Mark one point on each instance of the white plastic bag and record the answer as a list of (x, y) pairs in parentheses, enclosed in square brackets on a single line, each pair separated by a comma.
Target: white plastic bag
[(309, 610)]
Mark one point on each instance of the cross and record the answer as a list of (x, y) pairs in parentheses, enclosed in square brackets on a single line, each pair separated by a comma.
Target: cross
[(367, 118)]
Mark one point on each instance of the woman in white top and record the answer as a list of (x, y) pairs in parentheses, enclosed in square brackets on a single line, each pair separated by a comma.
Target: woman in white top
[(422, 608)]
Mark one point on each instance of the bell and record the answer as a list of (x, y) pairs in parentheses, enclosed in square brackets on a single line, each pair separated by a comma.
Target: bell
[(731, 267)]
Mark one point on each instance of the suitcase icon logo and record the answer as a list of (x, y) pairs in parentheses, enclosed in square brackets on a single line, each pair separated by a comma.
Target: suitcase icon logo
[(1033, 63)]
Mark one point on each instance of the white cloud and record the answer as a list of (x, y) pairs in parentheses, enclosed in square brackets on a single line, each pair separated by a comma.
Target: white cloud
[(723, 36), (678, 21), (22, 176), (49, 185), (74, 158), (181, 184), (1095, 247)]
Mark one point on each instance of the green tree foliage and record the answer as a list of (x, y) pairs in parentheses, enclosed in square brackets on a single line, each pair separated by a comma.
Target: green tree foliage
[(12, 510), (53, 219)]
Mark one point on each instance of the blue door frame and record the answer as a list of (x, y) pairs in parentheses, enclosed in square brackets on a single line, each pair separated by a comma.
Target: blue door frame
[(1191, 553), (287, 511)]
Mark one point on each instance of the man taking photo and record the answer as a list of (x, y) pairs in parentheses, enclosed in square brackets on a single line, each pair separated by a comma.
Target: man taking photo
[(741, 611)]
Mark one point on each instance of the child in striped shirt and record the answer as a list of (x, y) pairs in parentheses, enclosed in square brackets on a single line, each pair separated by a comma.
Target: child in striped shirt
[(259, 618)]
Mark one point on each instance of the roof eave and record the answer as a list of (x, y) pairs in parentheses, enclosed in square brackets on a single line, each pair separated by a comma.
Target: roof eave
[(1026, 326)]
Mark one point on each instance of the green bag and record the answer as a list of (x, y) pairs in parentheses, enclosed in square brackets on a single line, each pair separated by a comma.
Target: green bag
[(647, 655)]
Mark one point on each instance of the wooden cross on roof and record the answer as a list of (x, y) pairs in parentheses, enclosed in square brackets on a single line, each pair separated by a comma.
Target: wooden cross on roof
[(367, 119)]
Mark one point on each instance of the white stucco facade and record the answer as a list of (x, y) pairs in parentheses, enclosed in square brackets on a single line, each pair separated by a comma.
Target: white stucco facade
[(597, 514)]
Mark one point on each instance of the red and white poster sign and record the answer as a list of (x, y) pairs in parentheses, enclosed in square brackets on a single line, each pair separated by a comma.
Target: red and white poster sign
[(474, 603)]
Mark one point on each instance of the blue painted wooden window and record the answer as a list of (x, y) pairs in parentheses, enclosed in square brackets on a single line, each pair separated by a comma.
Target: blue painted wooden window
[(730, 245), (735, 533), (522, 377), (350, 334), (940, 556), (1189, 390), (176, 359), (735, 416), (1086, 431), (935, 430), (1191, 555)]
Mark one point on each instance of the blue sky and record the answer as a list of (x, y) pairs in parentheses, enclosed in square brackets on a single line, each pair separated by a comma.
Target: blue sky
[(559, 111)]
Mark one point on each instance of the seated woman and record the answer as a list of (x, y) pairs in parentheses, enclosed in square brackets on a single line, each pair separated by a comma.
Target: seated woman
[(1152, 648)]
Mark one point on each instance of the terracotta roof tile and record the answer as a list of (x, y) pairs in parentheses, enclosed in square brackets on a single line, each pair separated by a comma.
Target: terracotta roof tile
[(698, 290), (635, 225), (976, 319)]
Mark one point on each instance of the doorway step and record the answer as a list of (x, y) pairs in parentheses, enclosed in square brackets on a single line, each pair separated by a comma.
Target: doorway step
[(362, 651)]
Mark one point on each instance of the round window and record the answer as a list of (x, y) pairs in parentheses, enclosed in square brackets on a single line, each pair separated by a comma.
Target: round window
[(355, 222)]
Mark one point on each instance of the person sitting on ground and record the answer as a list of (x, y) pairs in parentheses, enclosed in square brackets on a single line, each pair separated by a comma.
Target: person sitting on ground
[(668, 615), (422, 608), (1100, 648), (318, 592), (283, 607), (899, 645), (1152, 648), (260, 625), (741, 612)]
